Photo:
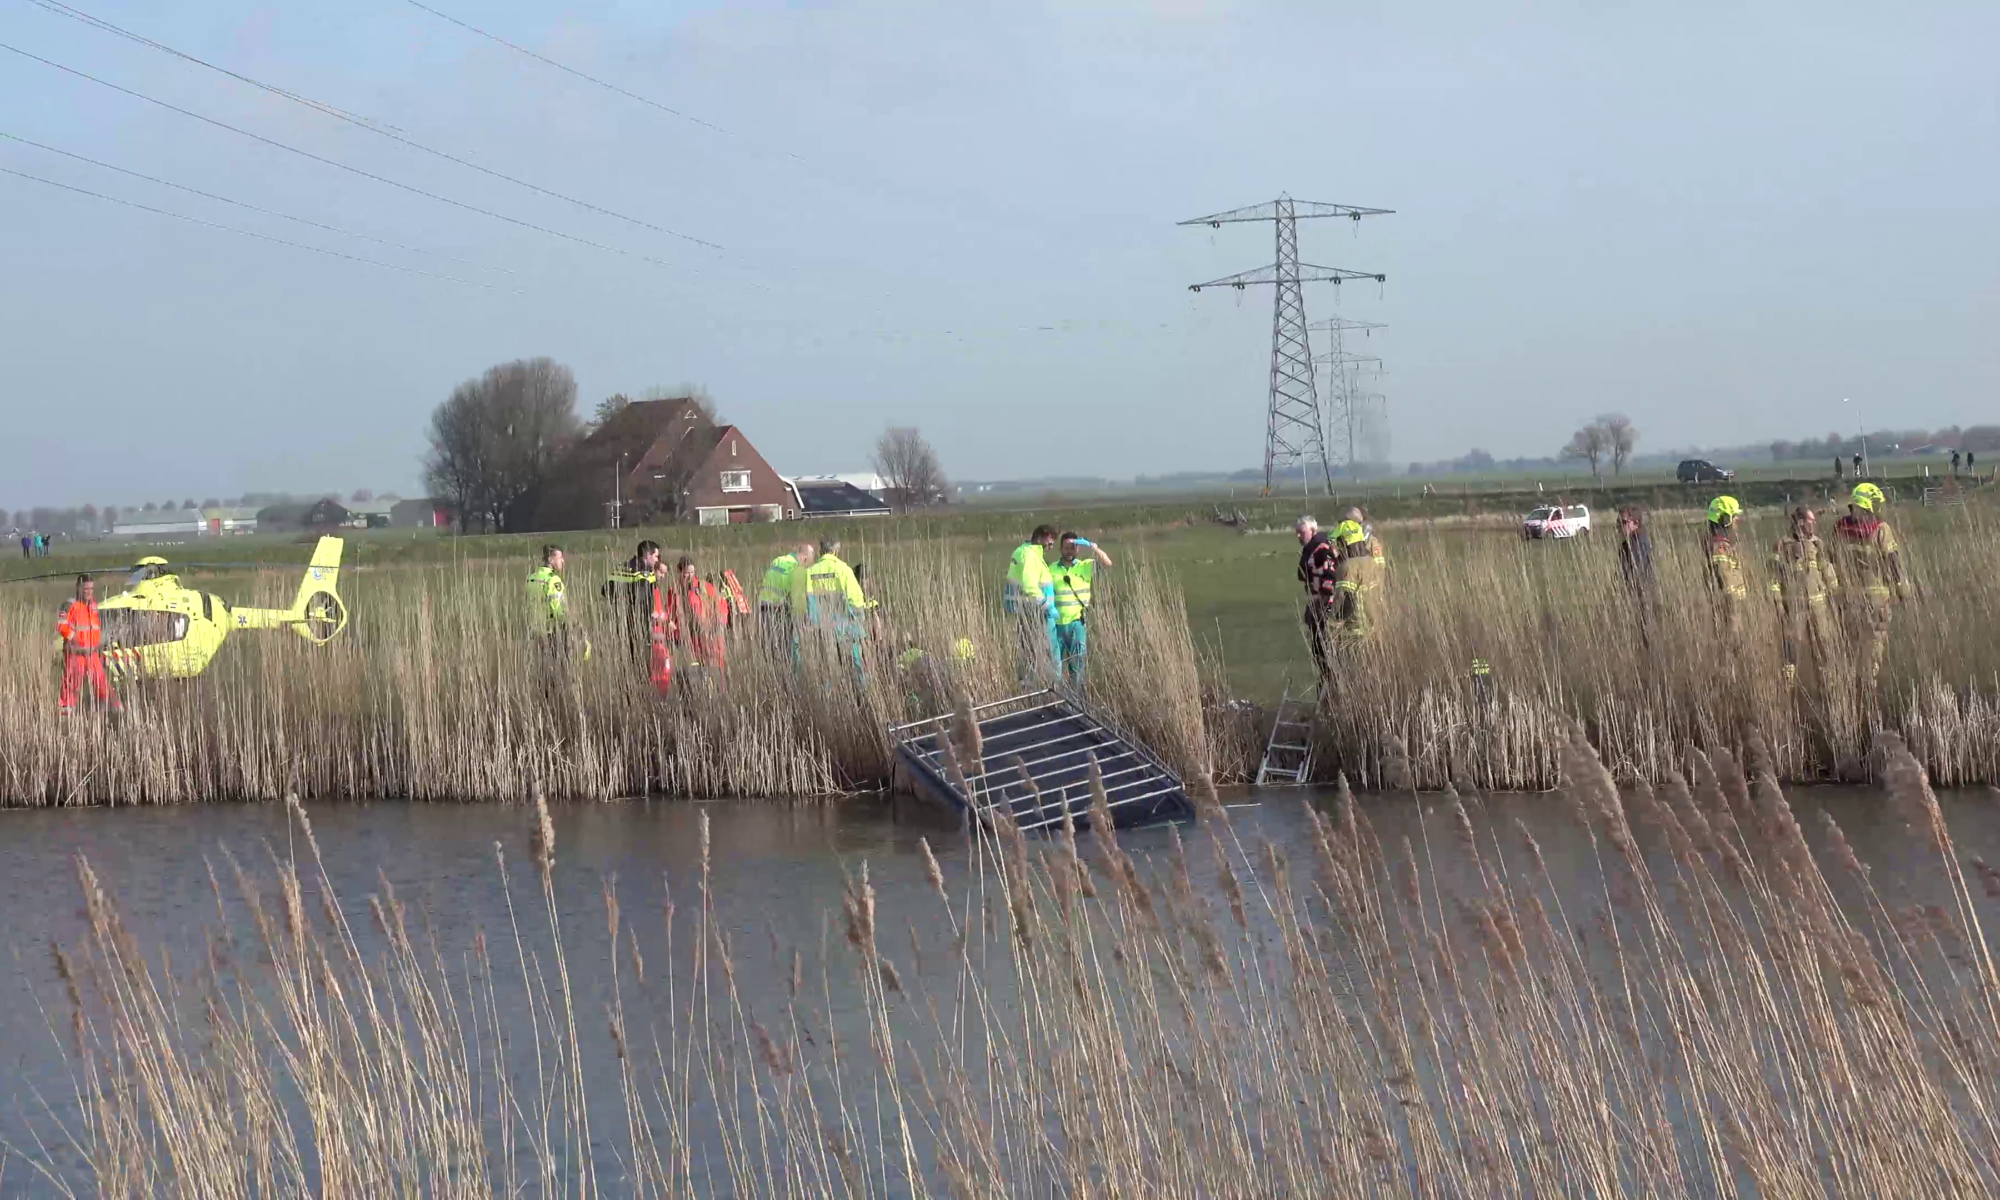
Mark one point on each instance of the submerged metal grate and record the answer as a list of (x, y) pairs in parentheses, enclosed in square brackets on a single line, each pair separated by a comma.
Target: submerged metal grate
[(1053, 737)]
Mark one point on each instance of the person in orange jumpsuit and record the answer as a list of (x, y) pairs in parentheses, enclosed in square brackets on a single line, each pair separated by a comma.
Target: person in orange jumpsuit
[(697, 613), (82, 635)]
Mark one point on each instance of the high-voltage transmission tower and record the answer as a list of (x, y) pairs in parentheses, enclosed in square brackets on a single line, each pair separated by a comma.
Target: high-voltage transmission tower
[(1295, 430), (1347, 407)]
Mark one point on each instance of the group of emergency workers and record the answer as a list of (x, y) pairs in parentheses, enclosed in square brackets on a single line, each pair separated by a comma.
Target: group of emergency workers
[(1343, 573), (1856, 582)]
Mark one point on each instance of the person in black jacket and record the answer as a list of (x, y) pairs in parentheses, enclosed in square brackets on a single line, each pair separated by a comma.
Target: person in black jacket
[(1635, 562), (1319, 566), (634, 589)]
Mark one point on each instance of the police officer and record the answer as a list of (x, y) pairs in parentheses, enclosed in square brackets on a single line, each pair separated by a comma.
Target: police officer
[(550, 601), (637, 585)]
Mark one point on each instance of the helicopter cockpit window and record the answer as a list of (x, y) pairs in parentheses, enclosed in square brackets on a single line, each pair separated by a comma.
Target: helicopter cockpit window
[(142, 627), (143, 572)]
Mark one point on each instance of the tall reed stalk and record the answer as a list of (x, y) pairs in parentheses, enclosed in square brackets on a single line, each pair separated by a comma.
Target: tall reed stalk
[(1698, 1004)]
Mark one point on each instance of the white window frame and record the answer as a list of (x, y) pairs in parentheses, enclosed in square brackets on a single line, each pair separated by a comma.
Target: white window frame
[(742, 476), (712, 516)]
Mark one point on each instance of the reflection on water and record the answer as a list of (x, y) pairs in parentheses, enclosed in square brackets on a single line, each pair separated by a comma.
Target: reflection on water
[(778, 874)]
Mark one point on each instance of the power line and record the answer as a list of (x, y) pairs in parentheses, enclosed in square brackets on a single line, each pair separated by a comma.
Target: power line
[(258, 137), (269, 212), (61, 9), (565, 68), (262, 237)]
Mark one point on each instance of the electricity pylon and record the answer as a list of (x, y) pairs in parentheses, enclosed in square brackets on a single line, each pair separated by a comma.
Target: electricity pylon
[(1295, 431), (1347, 406)]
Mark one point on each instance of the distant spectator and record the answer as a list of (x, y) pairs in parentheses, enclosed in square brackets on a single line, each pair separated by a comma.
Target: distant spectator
[(1968, 462), (1954, 462), (1857, 465), (1839, 470), (27, 545), (1635, 552)]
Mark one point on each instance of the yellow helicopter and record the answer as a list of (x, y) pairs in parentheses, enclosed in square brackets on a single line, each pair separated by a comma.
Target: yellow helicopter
[(159, 628)]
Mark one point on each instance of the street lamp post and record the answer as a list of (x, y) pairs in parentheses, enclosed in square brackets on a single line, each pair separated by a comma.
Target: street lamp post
[(1860, 435)]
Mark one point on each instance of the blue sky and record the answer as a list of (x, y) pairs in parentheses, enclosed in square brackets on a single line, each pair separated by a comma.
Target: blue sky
[(1720, 218)]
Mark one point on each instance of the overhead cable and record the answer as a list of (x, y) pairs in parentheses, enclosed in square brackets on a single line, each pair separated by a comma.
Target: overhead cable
[(61, 9), (258, 137), (269, 212), (262, 237), (565, 68)]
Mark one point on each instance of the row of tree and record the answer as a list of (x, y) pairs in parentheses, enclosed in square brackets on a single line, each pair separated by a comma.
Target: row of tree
[(1980, 439), (88, 520), (497, 439)]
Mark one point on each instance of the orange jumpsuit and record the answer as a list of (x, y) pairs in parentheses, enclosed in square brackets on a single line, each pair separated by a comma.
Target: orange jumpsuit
[(696, 617), (83, 656)]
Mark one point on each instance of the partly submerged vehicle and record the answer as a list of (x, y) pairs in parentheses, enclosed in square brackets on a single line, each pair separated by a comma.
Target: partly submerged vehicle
[(160, 628)]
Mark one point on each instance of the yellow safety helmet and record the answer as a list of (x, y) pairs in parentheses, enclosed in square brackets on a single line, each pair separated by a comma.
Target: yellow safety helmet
[(1868, 496), (965, 650), (1348, 532), (1723, 509)]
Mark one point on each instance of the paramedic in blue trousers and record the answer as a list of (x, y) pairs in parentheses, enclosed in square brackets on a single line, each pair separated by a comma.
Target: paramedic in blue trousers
[(1073, 577), (1031, 600)]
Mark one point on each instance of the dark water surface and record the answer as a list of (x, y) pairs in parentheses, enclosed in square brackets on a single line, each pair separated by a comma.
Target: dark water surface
[(778, 877)]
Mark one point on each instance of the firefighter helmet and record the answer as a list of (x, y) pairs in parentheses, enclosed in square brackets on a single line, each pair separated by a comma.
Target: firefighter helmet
[(1867, 496), (1723, 509)]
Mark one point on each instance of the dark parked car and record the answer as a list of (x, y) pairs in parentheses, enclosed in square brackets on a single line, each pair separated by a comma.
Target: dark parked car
[(1700, 470)]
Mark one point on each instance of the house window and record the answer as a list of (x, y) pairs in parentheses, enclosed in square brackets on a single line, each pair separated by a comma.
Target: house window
[(712, 516), (736, 481)]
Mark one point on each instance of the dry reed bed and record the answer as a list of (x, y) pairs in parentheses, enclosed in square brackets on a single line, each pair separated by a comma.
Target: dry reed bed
[(1342, 1016), (438, 691), (1565, 641)]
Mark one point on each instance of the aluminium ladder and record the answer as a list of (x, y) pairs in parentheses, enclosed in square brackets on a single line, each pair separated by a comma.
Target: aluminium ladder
[(1288, 756)]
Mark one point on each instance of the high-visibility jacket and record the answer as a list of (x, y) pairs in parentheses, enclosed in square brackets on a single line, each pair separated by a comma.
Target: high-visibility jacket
[(777, 586), (81, 630), (545, 592), (815, 589), (1723, 568), (1030, 586), (1873, 559), (1802, 572), (695, 616), (1072, 589)]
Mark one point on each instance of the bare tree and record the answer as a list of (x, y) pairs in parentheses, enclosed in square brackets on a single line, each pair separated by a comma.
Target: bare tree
[(1620, 438), (1591, 444), (910, 468), (362, 496), (494, 439)]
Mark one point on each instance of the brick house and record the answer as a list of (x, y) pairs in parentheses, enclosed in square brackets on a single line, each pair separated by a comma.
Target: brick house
[(661, 460), (733, 484)]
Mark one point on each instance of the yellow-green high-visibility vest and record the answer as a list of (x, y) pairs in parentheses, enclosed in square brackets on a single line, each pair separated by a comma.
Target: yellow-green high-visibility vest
[(1072, 581), (776, 590), (1029, 583)]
